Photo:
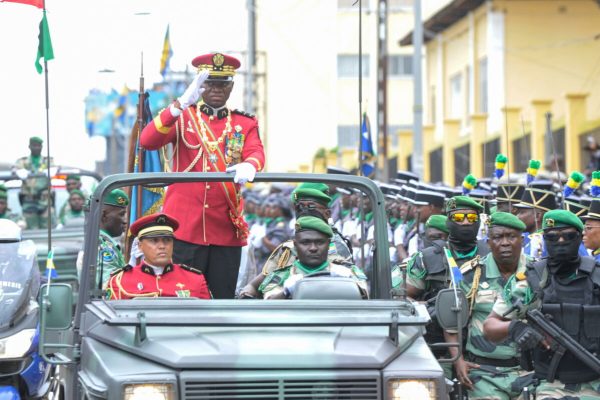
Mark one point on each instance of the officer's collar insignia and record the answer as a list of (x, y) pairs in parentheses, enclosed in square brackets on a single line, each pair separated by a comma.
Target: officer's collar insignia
[(121, 200), (218, 59), (147, 270), (550, 222), (168, 268), (220, 112), (161, 219)]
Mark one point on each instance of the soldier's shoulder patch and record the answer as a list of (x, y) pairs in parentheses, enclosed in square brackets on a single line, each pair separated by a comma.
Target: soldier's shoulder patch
[(108, 254), (191, 269), (243, 113), (122, 269)]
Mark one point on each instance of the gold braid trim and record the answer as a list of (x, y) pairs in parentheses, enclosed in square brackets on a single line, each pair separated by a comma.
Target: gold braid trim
[(126, 293), (159, 125), (474, 288), (258, 164)]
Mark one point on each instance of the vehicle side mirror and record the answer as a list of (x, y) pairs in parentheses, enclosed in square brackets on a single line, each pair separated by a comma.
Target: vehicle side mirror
[(56, 306), (451, 309)]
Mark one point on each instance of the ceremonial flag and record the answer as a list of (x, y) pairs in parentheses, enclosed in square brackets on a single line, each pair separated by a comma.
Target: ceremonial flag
[(45, 44), (50, 268), (35, 3), (167, 52), (367, 152), (456, 275), (151, 198)]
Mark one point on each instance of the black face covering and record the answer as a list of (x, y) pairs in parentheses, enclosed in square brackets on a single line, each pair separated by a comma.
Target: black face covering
[(462, 236), (563, 256)]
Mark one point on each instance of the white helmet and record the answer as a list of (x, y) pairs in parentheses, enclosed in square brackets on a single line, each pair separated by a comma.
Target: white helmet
[(9, 231)]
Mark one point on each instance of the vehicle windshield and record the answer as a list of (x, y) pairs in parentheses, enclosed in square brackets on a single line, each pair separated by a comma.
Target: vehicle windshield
[(19, 278)]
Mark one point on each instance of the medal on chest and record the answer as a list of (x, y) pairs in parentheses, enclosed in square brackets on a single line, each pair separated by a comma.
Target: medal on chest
[(213, 145)]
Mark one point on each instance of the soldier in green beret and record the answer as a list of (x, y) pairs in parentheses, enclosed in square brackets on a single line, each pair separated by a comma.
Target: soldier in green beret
[(428, 271), (35, 200), (311, 241), (74, 216), (112, 224), (309, 199), (489, 370), (565, 287), (72, 182)]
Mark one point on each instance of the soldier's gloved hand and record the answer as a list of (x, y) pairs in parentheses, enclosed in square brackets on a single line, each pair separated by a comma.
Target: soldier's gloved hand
[(135, 252), (523, 335), (22, 173), (244, 172), (194, 91), (289, 286)]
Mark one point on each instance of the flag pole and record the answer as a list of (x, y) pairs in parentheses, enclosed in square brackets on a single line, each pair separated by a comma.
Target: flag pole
[(360, 161), (50, 199)]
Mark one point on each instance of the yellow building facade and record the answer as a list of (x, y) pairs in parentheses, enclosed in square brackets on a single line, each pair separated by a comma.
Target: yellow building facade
[(492, 71)]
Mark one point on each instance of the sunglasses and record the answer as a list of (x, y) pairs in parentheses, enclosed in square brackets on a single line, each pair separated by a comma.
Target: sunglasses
[(555, 236), (460, 217)]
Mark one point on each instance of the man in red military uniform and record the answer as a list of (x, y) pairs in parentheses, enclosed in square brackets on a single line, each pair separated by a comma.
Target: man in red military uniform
[(207, 136), (156, 275)]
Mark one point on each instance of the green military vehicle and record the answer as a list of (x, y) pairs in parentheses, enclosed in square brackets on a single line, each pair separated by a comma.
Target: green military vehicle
[(313, 347)]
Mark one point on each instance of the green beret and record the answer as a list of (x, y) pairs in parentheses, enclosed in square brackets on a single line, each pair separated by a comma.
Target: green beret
[(73, 177), (500, 218), (3, 194), (36, 139), (3, 188), (462, 202), (117, 198), (313, 224), (438, 222), (77, 192), (561, 219), (312, 191)]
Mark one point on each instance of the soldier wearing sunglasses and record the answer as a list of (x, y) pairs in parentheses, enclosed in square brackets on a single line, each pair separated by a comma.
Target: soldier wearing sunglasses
[(566, 287), (591, 230), (428, 271)]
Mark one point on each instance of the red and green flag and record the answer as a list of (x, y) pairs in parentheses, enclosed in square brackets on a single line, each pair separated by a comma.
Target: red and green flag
[(35, 3)]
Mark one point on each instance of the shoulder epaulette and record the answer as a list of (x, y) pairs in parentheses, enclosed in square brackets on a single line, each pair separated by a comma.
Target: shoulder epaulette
[(191, 269), (469, 265), (122, 269), (244, 113)]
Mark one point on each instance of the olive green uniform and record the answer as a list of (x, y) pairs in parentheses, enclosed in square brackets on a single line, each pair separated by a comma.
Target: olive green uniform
[(34, 195), (274, 283), (500, 376)]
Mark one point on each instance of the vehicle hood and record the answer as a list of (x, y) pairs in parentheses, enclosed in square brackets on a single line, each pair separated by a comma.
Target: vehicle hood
[(268, 345)]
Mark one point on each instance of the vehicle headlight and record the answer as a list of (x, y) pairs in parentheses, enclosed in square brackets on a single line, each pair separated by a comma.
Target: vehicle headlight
[(413, 389), (149, 391), (17, 345)]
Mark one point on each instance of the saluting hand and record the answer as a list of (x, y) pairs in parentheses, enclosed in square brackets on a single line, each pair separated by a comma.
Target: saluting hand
[(193, 93)]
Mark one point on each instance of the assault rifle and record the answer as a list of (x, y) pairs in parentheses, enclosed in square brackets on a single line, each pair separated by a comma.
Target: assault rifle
[(560, 342)]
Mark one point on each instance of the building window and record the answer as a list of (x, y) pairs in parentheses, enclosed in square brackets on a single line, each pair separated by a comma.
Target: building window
[(456, 97), (400, 65), (348, 136), (347, 66), (483, 86)]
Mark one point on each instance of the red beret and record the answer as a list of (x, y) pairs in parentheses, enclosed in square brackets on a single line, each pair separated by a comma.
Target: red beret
[(219, 66), (154, 225)]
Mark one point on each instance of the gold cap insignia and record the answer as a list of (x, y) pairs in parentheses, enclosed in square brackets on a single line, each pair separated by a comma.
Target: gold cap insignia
[(161, 219), (121, 200), (218, 59), (550, 222), (451, 204)]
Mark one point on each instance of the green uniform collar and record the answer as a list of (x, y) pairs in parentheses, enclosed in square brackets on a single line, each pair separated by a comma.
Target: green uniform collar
[(461, 256), (310, 270)]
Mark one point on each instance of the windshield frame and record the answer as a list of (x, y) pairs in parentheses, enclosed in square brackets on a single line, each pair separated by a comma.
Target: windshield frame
[(380, 284)]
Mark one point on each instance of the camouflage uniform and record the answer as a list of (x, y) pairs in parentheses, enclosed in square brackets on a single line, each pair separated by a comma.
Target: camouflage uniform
[(34, 196), (519, 290), (274, 283), (110, 257), (500, 376)]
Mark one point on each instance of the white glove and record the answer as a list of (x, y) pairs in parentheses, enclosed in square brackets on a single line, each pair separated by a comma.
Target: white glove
[(22, 173), (194, 91), (289, 286), (135, 252), (244, 172)]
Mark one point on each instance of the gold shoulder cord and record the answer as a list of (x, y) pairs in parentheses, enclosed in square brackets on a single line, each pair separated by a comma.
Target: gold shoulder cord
[(475, 285), (126, 293)]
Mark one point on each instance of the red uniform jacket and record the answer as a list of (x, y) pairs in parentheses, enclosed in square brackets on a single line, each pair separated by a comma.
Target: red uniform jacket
[(202, 209), (140, 281)]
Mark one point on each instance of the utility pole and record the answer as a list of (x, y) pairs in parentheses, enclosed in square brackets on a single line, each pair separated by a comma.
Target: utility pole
[(382, 75), (417, 156)]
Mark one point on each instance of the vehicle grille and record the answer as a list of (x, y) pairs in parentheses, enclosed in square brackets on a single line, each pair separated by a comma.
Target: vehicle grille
[(329, 388)]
